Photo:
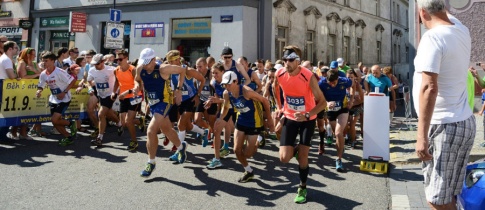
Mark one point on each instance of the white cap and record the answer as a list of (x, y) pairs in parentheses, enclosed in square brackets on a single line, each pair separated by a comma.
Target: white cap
[(228, 77), (83, 53), (340, 61), (97, 59), (278, 66), (146, 56)]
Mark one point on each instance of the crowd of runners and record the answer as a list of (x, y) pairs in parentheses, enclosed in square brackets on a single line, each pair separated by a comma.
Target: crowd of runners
[(226, 101)]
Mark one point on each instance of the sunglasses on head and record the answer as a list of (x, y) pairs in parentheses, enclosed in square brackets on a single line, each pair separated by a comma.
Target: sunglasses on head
[(289, 59)]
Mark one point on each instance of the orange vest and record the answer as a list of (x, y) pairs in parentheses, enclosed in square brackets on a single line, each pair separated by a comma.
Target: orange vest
[(126, 80), (297, 93)]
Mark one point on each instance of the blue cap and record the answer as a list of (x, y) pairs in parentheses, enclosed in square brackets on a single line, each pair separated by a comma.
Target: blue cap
[(334, 65)]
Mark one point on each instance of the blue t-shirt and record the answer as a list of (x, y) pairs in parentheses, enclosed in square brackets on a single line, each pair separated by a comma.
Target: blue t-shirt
[(383, 82), (336, 93)]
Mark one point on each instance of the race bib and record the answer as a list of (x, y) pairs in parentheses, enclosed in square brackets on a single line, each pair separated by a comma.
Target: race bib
[(102, 87), (153, 98), (337, 107), (206, 93), (185, 93), (241, 108), (135, 100), (296, 103), (56, 91)]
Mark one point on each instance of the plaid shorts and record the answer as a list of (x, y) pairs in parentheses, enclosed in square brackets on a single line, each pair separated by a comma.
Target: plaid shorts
[(450, 144)]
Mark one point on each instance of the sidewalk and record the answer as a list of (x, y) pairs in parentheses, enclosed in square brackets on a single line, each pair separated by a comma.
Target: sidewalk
[(406, 176)]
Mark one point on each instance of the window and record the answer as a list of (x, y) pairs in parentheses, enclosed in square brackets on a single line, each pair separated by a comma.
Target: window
[(399, 53), (347, 3), (378, 8), (310, 46), (346, 48), (378, 52), (407, 54), (280, 41), (332, 53), (359, 49)]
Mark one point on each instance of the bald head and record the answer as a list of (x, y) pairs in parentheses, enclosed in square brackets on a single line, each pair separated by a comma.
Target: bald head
[(376, 71), (307, 65)]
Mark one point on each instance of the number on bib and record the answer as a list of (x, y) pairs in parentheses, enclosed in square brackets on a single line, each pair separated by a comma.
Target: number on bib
[(135, 100), (153, 98), (296, 103), (56, 91)]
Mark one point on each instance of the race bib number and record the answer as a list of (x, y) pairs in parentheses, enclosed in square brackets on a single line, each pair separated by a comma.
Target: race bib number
[(337, 107), (296, 103), (153, 98), (56, 91), (241, 108), (185, 93), (102, 87), (135, 100), (206, 93)]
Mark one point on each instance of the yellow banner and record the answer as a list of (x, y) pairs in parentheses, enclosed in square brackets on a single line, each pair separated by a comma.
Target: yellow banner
[(20, 105)]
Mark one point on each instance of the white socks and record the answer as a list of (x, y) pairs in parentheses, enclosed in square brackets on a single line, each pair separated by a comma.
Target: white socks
[(260, 138), (248, 169), (152, 161), (181, 135), (197, 129), (100, 136)]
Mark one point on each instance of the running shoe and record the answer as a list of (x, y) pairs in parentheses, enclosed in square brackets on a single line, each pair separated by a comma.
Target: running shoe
[(272, 136), (224, 152), (246, 177), (301, 196), (27, 137), (205, 141), (120, 130), (182, 154), (95, 133), (66, 141), (329, 140), (133, 146), (142, 125), (214, 163), (149, 168), (263, 141), (339, 166), (97, 142), (165, 141), (174, 157), (73, 128)]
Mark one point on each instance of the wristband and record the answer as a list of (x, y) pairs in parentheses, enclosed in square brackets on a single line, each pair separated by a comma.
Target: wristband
[(90, 90)]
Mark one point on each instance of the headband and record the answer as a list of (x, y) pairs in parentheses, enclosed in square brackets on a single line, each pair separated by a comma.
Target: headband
[(290, 54), (174, 58)]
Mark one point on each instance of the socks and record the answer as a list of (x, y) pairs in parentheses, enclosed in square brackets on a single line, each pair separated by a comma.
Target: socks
[(181, 135), (329, 130), (100, 136), (180, 147), (322, 136), (304, 174), (152, 161), (197, 129), (248, 169), (226, 146), (260, 138)]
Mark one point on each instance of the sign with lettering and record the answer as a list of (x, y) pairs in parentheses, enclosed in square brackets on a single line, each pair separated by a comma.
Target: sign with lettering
[(12, 31), (114, 35), (21, 106), (26, 24), (77, 22), (54, 22), (60, 35), (227, 18), (191, 28), (149, 33), (5, 13)]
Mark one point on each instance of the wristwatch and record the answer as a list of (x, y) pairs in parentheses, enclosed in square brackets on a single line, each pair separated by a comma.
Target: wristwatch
[(307, 115), (179, 88)]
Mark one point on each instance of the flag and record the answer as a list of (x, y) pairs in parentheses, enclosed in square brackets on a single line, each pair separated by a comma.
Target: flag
[(148, 32)]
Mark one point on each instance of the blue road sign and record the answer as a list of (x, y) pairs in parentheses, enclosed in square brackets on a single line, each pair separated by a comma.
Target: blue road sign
[(115, 33), (115, 15)]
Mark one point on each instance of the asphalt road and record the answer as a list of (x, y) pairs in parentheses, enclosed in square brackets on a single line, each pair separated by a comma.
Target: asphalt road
[(39, 174)]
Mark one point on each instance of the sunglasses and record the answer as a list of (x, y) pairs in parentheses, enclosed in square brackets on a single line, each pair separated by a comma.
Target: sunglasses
[(75, 52), (119, 59), (227, 57), (289, 60)]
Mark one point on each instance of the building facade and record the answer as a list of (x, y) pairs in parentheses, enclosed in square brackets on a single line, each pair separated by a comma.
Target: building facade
[(196, 28), (11, 12), (368, 31)]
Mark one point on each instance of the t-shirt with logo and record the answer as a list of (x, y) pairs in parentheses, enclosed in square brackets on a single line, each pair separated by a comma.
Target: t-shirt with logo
[(337, 93), (58, 80), (104, 80)]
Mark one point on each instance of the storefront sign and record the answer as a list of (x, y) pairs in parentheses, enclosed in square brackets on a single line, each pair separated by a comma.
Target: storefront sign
[(26, 24), (226, 18), (5, 13), (21, 106), (54, 22), (10, 31), (191, 28), (59, 35), (149, 33), (78, 22)]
